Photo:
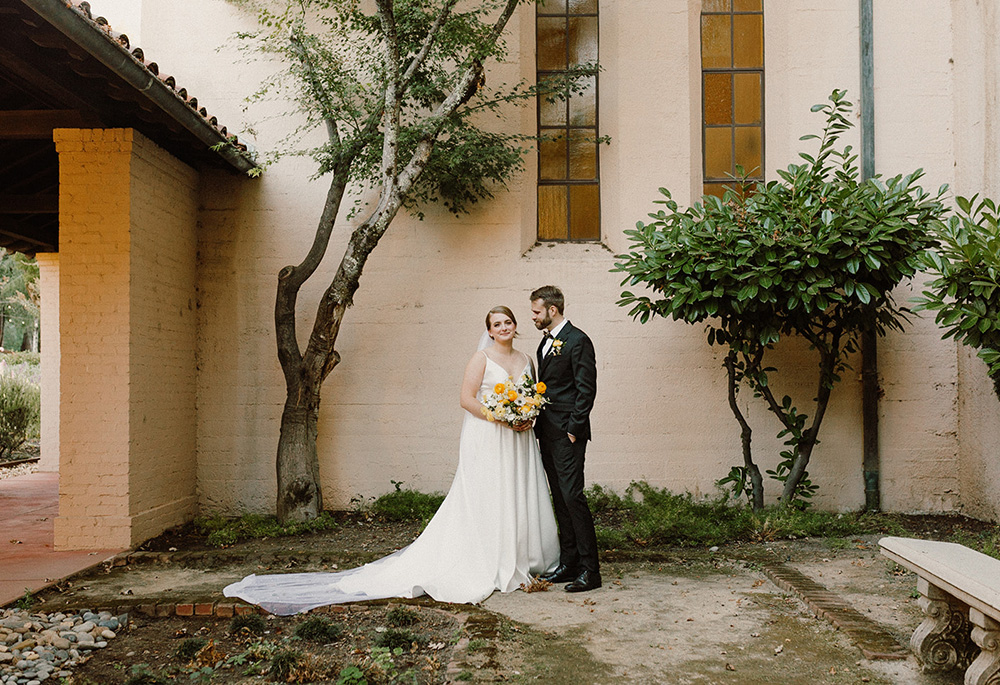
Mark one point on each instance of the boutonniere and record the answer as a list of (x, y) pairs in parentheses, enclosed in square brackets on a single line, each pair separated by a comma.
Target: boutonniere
[(557, 347)]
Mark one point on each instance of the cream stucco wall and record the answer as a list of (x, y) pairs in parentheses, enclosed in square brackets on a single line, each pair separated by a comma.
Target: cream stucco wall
[(977, 115), (127, 339), (390, 410)]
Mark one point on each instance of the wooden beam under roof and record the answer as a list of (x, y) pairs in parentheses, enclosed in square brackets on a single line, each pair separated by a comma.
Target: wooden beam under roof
[(14, 232), (29, 204), (37, 124)]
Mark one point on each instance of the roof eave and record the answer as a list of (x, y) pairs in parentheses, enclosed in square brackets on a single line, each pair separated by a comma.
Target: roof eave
[(103, 48)]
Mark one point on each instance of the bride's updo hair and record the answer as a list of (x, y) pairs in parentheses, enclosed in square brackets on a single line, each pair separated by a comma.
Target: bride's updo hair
[(500, 309)]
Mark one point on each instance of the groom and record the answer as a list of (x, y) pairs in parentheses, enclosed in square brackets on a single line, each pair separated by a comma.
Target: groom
[(567, 366)]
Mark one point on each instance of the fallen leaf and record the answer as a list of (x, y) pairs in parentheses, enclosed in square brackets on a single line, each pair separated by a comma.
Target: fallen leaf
[(730, 667)]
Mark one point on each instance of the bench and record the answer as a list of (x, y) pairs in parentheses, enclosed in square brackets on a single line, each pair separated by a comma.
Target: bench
[(960, 597)]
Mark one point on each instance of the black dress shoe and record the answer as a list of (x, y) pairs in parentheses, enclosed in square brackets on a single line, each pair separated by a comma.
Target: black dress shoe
[(561, 574), (588, 580)]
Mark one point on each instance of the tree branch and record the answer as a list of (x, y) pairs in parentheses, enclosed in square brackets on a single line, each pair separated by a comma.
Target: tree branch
[(425, 49)]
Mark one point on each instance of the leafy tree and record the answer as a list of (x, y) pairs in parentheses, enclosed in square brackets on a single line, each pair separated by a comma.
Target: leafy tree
[(966, 291), (815, 254), (399, 87), (19, 297)]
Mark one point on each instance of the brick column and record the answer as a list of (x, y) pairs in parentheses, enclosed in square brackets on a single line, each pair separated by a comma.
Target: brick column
[(48, 279), (127, 215)]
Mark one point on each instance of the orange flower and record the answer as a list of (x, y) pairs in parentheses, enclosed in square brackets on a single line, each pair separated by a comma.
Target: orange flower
[(512, 395), (540, 388), (499, 388)]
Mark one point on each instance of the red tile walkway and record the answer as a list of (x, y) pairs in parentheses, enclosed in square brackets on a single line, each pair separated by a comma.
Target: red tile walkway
[(28, 508)]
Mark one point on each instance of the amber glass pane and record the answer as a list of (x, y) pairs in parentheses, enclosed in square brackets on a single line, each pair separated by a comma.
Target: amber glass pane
[(583, 107), (582, 40), (715, 5), (748, 147), (584, 212), (748, 5), (716, 189), (550, 6), (551, 113), (551, 212), (718, 99), (582, 155), (718, 152), (748, 39), (748, 107), (551, 45), (715, 41), (552, 158), (583, 6)]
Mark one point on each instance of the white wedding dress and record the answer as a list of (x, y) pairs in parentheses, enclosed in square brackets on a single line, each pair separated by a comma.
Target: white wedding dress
[(493, 530)]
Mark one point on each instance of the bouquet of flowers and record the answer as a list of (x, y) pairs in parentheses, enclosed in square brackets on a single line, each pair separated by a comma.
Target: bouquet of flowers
[(513, 402)]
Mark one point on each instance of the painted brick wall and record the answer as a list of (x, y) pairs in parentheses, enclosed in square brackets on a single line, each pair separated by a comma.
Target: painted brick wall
[(126, 286), (162, 344), (48, 279)]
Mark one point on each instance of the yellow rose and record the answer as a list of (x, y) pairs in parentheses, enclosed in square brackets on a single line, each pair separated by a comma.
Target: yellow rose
[(512, 395), (499, 388), (540, 388)]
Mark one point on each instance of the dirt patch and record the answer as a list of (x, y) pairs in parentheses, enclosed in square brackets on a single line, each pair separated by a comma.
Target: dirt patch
[(677, 615), (210, 650)]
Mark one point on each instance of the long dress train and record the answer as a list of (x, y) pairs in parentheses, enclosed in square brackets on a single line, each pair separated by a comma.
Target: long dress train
[(494, 528)]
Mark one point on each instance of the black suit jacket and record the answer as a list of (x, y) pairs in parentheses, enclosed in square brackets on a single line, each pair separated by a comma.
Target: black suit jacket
[(570, 377)]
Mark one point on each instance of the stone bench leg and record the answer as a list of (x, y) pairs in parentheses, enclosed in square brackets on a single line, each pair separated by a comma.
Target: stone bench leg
[(943, 641), (985, 670)]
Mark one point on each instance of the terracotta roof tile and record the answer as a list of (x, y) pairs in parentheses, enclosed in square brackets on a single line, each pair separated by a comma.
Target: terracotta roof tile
[(82, 7)]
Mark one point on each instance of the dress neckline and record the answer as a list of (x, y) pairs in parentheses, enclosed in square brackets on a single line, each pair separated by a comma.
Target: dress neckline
[(527, 363)]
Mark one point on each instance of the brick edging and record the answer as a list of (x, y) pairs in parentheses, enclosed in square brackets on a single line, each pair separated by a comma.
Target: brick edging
[(874, 641)]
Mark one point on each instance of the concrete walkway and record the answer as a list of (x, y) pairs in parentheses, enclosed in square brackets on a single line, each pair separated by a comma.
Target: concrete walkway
[(29, 505)]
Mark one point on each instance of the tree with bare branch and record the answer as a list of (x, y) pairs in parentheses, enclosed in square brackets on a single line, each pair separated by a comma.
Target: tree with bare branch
[(399, 86)]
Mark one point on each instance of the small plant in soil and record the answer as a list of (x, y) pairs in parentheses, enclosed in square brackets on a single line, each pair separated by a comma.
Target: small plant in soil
[(319, 629), (401, 616), (397, 637), (189, 648), (283, 663), (141, 675), (247, 624)]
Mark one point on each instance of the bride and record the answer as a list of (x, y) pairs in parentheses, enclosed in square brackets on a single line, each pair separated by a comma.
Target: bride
[(494, 530)]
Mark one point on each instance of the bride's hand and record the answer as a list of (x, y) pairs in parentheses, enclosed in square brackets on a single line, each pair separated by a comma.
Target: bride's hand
[(522, 426)]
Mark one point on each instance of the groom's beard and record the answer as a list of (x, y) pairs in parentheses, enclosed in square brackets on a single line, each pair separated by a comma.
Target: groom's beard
[(543, 324)]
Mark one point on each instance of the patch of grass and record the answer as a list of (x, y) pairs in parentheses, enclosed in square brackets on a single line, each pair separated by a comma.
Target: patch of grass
[(189, 648), (141, 675), (987, 542), (319, 629), (222, 531), (401, 616), (464, 675), (283, 664), (247, 624), (646, 516), (400, 638), (476, 644), (25, 601), (406, 505)]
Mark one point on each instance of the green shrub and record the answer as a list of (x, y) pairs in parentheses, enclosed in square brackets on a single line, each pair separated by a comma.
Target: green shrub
[(15, 358), (401, 616), (189, 648), (319, 629), (646, 516), (283, 663), (248, 624), (397, 637), (406, 505), (20, 402), (222, 531)]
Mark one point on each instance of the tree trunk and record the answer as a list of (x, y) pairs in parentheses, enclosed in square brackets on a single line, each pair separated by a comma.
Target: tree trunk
[(299, 495), (26, 338), (803, 450), (746, 434)]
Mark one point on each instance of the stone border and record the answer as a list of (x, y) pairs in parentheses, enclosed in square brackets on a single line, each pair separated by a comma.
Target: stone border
[(874, 641)]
